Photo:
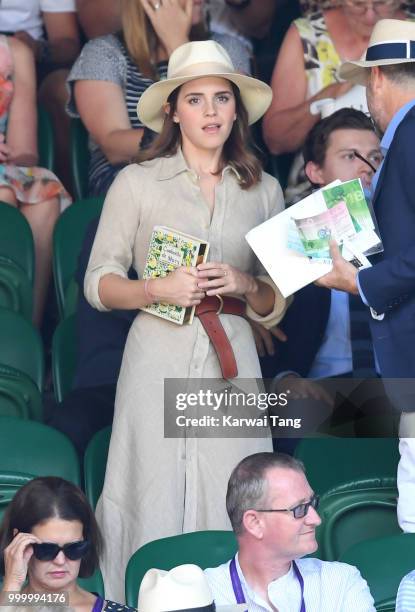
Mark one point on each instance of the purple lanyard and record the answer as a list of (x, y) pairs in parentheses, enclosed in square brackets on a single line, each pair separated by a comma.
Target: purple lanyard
[(237, 586), (99, 602)]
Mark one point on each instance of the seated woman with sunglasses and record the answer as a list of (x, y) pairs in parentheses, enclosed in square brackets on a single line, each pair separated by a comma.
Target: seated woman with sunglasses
[(49, 537)]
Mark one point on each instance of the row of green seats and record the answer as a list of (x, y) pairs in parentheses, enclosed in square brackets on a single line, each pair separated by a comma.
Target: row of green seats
[(16, 241), (352, 512)]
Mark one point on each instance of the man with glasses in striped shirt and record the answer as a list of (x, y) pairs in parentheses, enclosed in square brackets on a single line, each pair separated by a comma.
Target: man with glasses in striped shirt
[(273, 511)]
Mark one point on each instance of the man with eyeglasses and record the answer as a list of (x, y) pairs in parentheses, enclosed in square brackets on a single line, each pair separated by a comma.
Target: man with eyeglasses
[(273, 512)]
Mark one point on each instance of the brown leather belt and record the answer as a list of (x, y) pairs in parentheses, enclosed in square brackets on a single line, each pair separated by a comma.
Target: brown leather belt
[(208, 311)]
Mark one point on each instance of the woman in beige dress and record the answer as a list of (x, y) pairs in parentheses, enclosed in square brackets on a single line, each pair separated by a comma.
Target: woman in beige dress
[(200, 178)]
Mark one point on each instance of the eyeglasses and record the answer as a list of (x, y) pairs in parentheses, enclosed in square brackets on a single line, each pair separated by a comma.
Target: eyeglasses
[(47, 551), (381, 7), (299, 511)]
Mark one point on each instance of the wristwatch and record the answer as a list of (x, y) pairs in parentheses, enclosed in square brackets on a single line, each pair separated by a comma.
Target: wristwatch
[(238, 4)]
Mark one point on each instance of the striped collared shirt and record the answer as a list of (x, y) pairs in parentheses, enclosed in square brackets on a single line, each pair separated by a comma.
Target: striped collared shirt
[(328, 587)]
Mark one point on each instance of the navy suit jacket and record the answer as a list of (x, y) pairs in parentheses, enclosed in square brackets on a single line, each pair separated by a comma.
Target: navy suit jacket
[(389, 286)]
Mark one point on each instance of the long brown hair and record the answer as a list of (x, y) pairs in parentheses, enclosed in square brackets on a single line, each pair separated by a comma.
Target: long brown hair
[(237, 150), (141, 39)]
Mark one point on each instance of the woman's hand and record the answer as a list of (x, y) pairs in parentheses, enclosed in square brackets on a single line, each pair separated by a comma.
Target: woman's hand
[(170, 21), (16, 559), (180, 287), (222, 279)]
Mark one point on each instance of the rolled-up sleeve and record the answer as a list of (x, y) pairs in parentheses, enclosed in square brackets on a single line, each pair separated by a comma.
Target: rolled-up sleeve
[(280, 306), (112, 251)]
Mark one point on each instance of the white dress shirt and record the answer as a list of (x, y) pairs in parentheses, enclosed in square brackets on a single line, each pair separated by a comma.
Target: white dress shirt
[(328, 587), (405, 600)]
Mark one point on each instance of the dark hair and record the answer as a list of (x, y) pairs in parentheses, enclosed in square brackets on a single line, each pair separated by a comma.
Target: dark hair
[(247, 483), (237, 150), (399, 73), (51, 497), (317, 141)]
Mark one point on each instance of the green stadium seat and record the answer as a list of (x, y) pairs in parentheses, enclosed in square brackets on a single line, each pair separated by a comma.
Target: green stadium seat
[(46, 145), (21, 346), (31, 447), (203, 548), (63, 357), (79, 158), (331, 461), (17, 261), (67, 242), (95, 463), (10, 483), (356, 511), (16, 290), (383, 562), (19, 395)]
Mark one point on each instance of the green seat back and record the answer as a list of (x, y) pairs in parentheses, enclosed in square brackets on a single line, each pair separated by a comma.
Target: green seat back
[(10, 483), (67, 243), (16, 290), (93, 584), (356, 511), (35, 448), (383, 562), (332, 461), (95, 463), (63, 357), (16, 240), (45, 142), (21, 346), (19, 396), (203, 548), (80, 157)]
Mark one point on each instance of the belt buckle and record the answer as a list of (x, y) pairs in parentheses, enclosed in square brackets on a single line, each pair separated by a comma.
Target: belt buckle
[(220, 304)]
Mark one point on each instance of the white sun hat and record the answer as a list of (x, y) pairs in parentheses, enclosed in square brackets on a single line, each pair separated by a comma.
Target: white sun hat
[(195, 60), (392, 42), (183, 589)]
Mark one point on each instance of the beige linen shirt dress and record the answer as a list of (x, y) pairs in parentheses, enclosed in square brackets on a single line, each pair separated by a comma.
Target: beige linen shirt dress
[(155, 486)]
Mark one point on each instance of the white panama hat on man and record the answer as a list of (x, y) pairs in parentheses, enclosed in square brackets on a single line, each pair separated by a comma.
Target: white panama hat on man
[(392, 42), (183, 589), (195, 60)]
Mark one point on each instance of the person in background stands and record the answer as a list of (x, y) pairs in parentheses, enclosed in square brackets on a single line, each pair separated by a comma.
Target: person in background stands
[(28, 20)]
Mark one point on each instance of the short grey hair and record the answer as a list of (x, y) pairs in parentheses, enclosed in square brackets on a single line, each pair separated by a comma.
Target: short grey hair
[(247, 483), (400, 73)]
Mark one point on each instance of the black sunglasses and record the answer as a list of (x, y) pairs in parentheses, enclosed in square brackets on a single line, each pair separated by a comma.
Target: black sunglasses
[(47, 551), (298, 511)]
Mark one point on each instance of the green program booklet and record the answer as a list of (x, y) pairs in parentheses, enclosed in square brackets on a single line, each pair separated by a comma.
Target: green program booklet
[(344, 215)]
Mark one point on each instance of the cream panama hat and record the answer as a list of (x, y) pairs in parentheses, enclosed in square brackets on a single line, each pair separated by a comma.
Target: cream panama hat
[(194, 60), (392, 42), (183, 589)]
